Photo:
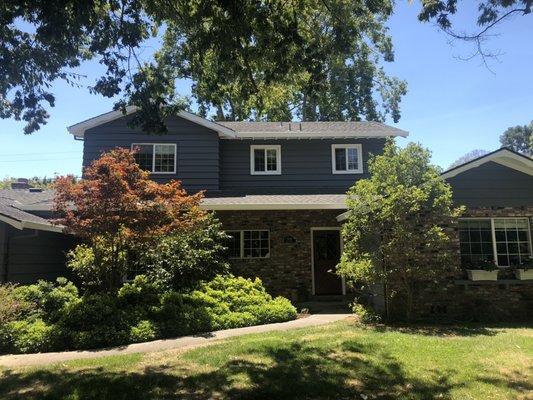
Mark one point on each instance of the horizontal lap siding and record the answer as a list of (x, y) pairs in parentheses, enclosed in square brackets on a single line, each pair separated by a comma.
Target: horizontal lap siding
[(492, 185), (30, 257), (305, 166), (197, 149)]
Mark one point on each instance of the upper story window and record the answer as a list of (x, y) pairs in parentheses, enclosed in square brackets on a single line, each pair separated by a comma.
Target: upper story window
[(346, 159), (157, 158), (265, 160)]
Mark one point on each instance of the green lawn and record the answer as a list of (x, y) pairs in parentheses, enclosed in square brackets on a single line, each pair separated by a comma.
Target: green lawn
[(339, 361)]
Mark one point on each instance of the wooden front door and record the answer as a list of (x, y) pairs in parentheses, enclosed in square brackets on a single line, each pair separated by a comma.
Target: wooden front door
[(326, 255)]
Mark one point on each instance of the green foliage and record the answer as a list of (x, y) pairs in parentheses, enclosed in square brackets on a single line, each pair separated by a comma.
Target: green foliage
[(140, 311), (44, 182), (396, 228), (48, 299), (184, 258), (144, 331), (27, 336), (519, 138), (12, 306), (365, 314)]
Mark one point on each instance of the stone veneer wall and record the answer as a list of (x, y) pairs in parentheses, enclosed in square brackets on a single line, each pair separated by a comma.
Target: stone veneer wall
[(287, 271)]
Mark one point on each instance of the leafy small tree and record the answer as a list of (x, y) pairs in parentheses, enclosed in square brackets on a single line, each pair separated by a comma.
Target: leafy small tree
[(519, 138), (396, 233), (116, 209)]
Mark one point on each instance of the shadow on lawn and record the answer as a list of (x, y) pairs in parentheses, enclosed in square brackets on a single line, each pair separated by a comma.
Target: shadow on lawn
[(291, 371)]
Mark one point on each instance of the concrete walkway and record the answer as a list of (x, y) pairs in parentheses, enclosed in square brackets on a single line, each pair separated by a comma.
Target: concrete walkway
[(185, 342)]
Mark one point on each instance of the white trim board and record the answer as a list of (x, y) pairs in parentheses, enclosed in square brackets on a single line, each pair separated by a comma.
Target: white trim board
[(78, 130), (31, 225), (503, 157)]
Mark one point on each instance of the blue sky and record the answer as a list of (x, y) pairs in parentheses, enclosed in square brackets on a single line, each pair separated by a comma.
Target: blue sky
[(451, 107)]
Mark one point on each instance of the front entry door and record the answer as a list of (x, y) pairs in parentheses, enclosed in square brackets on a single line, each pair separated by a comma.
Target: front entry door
[(326, 255)]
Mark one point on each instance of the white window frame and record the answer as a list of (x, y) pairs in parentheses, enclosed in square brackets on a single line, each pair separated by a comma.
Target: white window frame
[(265, 147), (359, 149), (153, 172), (493, 233), (241, 241)]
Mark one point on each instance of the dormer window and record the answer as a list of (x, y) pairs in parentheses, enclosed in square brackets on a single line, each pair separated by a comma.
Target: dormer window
[(157, 158), (265, 160), (346, 159)]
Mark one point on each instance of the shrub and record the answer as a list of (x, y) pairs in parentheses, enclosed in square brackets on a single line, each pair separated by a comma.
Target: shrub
[(27, 336), (365, 314), (97, 320), (144, 331), (185, 258), (49, 299), (12, 306)]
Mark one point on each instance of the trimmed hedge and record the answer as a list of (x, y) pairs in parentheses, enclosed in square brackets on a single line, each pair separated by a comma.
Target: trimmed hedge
[(55, 317)]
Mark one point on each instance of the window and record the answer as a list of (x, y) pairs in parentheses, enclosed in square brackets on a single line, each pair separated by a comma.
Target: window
[(158, 158), (503, 240), (249, 244), (346, 159), (265, 160)]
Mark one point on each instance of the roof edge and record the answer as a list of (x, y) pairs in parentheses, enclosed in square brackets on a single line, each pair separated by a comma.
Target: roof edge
[(273, 206), (18, 224), (78, 130), (503, 156)]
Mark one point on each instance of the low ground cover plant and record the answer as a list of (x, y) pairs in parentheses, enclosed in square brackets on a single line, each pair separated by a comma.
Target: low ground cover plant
[(56, 317)]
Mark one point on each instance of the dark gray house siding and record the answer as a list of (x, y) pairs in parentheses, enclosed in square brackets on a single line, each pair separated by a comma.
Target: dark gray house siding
[(197, 149), (305, 166), (492, 185), (29, 255)]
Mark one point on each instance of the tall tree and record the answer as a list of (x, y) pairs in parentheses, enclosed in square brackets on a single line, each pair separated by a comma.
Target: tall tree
[(319, 59), (519, 138), (396, 233), (492, 13)]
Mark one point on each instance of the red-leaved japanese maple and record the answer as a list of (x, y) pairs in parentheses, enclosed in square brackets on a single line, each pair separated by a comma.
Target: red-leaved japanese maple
[(116, 207)]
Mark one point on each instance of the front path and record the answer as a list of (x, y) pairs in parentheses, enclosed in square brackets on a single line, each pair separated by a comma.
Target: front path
[(19, 360)]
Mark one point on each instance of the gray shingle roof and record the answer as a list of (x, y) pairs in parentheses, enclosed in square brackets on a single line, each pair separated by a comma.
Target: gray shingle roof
[(14, 203), (276, 202), (333, 128)]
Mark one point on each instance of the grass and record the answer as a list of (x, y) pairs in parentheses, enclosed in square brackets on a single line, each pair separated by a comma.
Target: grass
[(339, 361)]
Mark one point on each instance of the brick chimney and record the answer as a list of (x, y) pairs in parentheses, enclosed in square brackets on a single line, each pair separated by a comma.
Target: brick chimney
[(20, 183)]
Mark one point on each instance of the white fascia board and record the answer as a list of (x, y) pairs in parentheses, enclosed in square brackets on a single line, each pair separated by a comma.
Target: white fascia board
[(314, 135), (31, 225), (503, 157), (273, 206), (78, 130), (342, 217)]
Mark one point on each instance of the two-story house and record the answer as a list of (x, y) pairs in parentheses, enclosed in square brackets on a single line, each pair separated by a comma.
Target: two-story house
[(279, 190)]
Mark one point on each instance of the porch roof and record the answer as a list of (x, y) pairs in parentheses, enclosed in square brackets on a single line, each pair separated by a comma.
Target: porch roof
[(276, 202)]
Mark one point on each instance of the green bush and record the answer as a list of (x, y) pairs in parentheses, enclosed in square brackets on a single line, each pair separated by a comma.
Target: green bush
[(182, 260), (97, 320), (144, 331), (27, 336), (365, 314), (49, 299), (140, 311), (12, 306)]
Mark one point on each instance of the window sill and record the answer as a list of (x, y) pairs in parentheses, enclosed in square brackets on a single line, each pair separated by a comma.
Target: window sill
[(347, 172), (265, 173)]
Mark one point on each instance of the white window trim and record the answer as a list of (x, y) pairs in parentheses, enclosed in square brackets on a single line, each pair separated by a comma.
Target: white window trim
[(152, 172), (265, 147), (493, 233), (241, 240), (359, 149)]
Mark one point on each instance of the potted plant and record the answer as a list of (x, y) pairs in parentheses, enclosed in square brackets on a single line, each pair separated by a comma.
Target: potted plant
[(486, 270), (525, 270)]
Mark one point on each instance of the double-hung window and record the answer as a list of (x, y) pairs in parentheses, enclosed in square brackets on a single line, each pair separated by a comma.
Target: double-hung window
[(265, 160), (157, 158), (249, 244), (346, 159), (505, 241)]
